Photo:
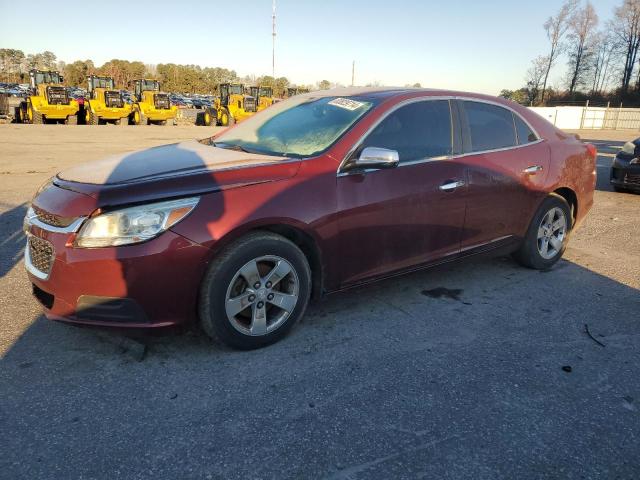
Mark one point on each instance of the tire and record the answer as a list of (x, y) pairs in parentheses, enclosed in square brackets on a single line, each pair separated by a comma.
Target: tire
[(226, 119), (620, 189), (530, 253), (210, 117), (138, 116), (91, 118), (224, 281)]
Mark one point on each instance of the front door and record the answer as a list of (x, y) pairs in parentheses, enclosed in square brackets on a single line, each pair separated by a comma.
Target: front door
[(395, 219)]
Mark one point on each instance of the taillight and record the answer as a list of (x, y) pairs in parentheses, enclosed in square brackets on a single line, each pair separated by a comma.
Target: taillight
[(593, 151)]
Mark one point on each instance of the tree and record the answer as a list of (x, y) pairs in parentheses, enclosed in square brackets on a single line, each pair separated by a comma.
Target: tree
[(627, 29), (75, 74), (556, 28), (324, 85), (535, 77), (601, 59), (581, 42), (11, 64)]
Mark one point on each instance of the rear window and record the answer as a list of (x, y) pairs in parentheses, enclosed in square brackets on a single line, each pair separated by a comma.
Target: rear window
[(491, 127)]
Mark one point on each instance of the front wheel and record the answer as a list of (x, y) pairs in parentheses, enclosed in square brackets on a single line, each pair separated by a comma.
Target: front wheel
[(255, 291), (547, 236)]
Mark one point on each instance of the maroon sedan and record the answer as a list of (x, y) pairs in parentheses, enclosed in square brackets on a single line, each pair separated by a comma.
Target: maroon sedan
[(316, 194)]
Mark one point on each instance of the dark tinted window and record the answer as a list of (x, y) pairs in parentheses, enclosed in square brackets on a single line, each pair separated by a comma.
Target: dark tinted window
[(525, 134), (490, 126), (418, 130)]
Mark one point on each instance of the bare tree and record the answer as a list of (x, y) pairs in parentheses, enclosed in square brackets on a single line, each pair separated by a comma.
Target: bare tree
[(556, 28), (627, 30), (603, 53), (535, 77), (582, 26)]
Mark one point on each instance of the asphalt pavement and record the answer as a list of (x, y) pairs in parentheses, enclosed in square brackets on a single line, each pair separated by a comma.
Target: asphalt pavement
[(477, 370)]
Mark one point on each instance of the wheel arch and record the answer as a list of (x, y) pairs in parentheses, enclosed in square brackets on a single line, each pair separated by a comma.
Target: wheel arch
[(292, 231), (572, 199)]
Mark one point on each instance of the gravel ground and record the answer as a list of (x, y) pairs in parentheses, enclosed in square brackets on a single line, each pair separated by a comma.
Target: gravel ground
[(479, 370)]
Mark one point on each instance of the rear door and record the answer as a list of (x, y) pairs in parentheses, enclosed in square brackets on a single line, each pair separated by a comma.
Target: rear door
[(506, 165), (397, 218)]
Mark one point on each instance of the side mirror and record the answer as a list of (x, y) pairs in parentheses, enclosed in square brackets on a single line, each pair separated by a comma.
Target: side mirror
[(374, 157)]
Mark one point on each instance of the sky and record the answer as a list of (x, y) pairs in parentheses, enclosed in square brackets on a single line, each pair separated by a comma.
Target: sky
[(481, 46)]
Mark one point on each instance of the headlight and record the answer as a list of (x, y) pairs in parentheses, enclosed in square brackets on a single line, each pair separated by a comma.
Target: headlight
[(134, 224), (629, 148)]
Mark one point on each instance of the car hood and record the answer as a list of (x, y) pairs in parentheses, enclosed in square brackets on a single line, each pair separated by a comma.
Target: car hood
[(186, 168)]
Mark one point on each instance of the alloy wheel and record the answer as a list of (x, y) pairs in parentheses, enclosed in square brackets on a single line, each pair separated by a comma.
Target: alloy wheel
[(262, 295), (552, 233)]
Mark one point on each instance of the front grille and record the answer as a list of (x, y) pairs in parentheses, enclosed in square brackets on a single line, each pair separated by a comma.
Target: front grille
[(632, 179), (161, 101), (249, 104), (57, 96), (40, 254), (113, 99), (51, 219)]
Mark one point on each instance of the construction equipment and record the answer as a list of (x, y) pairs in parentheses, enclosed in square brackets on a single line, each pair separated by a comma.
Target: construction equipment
[(48, 100), (263, 95), (105, 104), (292, 91), (231, 106), (151, 106)]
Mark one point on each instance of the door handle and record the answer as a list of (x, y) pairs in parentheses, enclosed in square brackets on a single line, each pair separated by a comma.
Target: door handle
[(533, 169), (450, 186)]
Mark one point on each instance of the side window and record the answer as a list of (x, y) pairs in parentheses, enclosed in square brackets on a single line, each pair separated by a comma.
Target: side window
[(416, 131), (491, 127), (525, 134)]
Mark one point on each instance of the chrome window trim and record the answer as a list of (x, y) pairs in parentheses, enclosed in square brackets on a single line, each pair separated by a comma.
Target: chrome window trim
[(340, 173)]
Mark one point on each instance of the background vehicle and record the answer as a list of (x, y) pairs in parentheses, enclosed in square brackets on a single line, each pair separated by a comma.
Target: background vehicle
[(231, 106), (291, 91), (263, 95), (625, 169), (151, 106), (48, 100), (105, 104), (407, 180)]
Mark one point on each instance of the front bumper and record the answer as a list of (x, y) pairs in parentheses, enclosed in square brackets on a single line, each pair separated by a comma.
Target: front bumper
[(148, 285), (625, 174)]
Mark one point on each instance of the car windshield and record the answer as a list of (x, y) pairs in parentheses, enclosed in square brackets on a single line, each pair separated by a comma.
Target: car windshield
[(150, 85), (299, 127)]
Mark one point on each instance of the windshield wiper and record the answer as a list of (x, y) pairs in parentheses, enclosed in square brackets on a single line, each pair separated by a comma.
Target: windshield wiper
[(231, 146)]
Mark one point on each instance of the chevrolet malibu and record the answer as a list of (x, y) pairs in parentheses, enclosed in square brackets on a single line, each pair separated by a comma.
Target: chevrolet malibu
[(316, 194)]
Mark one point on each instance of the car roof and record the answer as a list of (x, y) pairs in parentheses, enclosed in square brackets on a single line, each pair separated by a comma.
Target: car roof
[(382, 93)]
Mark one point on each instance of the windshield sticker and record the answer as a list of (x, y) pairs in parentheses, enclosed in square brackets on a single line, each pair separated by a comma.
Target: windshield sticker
[(345, 103)]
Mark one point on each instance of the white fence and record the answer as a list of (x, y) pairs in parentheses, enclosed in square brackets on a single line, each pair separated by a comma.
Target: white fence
[(591, 118)]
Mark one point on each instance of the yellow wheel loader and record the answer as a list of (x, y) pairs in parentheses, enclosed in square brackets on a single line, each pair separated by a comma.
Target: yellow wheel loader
[(231, 106), (48, 100), (263, 95), (104, 103), (151, 106)]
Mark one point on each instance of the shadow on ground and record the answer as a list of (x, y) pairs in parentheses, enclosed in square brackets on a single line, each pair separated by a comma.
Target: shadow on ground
[(11, 246), (452, 373)]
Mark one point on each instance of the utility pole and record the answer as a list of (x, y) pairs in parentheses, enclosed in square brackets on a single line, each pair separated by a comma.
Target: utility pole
[(353, 73), (273, 47)]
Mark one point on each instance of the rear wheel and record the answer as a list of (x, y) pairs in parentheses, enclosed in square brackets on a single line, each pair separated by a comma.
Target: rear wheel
[(547, 236), (210, 117), (620, 189), (255, 291)]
